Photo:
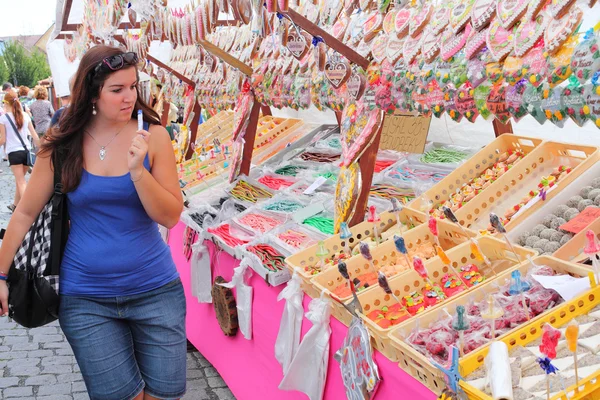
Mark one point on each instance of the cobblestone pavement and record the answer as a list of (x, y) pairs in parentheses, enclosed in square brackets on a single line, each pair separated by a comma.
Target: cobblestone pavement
[(39, 364)]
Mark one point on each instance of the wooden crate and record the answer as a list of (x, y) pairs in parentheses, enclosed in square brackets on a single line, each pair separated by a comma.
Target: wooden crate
[(573, 250), (511, 187), (383, 255), (410, 281), (423, 370), (335, 245), (475, 167)]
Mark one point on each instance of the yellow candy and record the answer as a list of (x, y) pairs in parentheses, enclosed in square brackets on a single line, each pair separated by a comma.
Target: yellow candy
[(571, 334), (586, 109), (440, 252), (475, 250)]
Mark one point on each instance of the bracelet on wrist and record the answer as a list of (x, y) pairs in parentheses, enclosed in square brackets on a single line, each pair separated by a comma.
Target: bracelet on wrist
[(135, 180), (3, 276)]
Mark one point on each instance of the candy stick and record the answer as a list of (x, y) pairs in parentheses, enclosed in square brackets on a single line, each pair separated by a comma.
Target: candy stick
[(550, 339), (492, 313), (419, 267), (140, 120), (461, 324), (346, 234), (374, 218), (499, 227), (592, 250), (365, 251), (476, 250), (321, 253), (401, 247), (383, 282), (450, 215), (343, 270), (396, 209), (572, 334), (519, 287)]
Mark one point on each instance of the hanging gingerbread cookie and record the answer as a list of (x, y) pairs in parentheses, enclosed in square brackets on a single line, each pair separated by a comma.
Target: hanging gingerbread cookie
[(499, 40), (508, 12), (460, 15), (482, 13), (420, 19), (559, 30)]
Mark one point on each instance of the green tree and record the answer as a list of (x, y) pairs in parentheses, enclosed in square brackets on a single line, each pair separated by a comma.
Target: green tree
[(23, 67)]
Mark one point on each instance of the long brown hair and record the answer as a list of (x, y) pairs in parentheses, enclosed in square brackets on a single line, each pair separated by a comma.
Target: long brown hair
[(12, 100), (65, 140)]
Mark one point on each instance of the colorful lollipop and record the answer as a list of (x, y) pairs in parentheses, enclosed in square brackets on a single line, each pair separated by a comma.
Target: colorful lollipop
[(572, 334), (492, 313), (519, 287), (550, 337), (345, 234), (499, 227), (433, 228), (365, 251), (476, 250), (374, 219), (460, 324), (449, 214), (355, 303), (401, 247), (343, 270), (592, 250), (396, 209), (321, 253), (419, 267), (383, 282)]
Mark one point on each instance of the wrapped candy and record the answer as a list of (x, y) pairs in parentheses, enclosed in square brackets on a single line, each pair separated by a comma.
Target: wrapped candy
[(384, 284), (345, 234), (492, 312), (374, 219), (365, 251), (572, 334), (550, 337), (396, 209), (401, 247), (322, 253), (460, 323), (519, 287)]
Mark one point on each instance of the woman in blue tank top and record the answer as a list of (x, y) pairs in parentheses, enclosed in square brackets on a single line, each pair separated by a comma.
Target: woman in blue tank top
[(122, 304)]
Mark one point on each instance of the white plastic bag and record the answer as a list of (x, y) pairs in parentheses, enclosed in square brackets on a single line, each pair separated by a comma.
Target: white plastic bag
[(243, 296), (201, 275), (307, 372), (288, 338)]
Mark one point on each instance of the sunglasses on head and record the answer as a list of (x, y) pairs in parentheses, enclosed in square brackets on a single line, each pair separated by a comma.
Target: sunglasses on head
[(117, 62)]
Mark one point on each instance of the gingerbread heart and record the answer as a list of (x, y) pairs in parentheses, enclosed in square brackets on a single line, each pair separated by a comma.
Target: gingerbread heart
[(337, 72), (591, 94), (559, 63), (559, 30), (379, 47), (440, 19), (356, 85), (513, 70), (339, 28), (330, 12), (509, 12), (496, 103), (460, 15), (533, 9), (435, 99), (535, 66), (364, 48), (442, 72), (388, 22), (475, 42), (476, 70), (297, 44), (574, 103), (465, 102), (394, 49), (559, 8), (402, 22), (586, 59), (420, 100), (418, 22), (499, 40), (430, 45), (532, 101), (450, 103), (372, 26), (514, 101), (482, 13), (452, 43), (481, 95), (553, 107), (528, 33), (412, 45)]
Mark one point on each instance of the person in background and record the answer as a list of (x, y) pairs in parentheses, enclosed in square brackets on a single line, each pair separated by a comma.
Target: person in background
[(24, 99), (42, 110), (17, 153), (6, 86), (64, 102)]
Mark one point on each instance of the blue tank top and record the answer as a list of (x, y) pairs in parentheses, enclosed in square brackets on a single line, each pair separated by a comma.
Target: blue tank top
[(114, 247)]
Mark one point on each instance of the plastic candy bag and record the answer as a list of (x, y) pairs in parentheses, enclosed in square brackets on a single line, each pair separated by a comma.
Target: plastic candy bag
[(243, 297), (201, 274), (288, 338)]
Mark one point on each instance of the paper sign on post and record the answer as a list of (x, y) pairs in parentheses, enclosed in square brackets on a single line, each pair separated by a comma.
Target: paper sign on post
[(315, 185), (404, 133), (581, 221)]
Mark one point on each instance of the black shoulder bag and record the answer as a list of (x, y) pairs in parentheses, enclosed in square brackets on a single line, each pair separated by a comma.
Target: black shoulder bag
[(30, 154), (33, 278)]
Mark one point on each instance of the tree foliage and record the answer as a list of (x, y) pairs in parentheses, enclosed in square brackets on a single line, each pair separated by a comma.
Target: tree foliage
[(22, 67)]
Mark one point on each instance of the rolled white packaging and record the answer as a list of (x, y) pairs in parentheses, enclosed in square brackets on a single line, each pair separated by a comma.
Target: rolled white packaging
[(498, 370)]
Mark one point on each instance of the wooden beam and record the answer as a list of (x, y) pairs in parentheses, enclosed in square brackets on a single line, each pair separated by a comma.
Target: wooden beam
[(66, 13), (266, 110), (330, 41), (500, 128), (164, 118), (249, 137), (367, 169), (226, 57), (171, 70), (193, 129)]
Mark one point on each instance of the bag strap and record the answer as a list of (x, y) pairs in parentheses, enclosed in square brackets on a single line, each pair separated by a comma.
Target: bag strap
[(17, 132), (58, 217)]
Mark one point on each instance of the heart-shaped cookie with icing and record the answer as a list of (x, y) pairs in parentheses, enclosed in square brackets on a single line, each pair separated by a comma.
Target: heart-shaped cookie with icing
[(297, 44), (412, 46), (339, 28), (508, 12), (482, 13), (356, 85), (559, 30), (337, 72), (465, 102), (475, 42), (430, 45), (402, 22), (372, 26), (496, 103), (379, 47), (559, 8), (528, 33), (388, 22), (439, 20), (460, 15), (394, 49), (499, 40), (452, 43), (420, 20), (364, 49)]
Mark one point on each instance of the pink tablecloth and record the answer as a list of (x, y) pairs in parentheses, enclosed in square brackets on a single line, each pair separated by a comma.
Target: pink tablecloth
[(249, 367)]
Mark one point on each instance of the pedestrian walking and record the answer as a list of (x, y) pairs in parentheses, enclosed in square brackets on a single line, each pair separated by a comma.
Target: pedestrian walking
[(122, 305), (41, 110), (15, 129)]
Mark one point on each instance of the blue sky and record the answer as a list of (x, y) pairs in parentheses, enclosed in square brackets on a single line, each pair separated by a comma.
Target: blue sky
[(26, 17)]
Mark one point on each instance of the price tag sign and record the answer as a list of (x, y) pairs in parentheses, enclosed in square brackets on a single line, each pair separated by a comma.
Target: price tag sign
[(581, 221), (404, 133)]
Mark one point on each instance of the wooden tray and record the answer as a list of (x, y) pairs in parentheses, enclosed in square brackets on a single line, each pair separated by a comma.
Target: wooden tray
[(423, 370)]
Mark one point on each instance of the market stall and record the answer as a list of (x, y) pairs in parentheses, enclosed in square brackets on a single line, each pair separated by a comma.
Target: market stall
[(334, 243)]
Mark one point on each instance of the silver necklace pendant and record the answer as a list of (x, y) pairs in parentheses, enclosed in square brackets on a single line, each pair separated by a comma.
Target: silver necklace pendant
[(102, 153)]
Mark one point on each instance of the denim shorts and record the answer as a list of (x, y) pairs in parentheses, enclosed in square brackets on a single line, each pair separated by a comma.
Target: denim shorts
[(124, 345)]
